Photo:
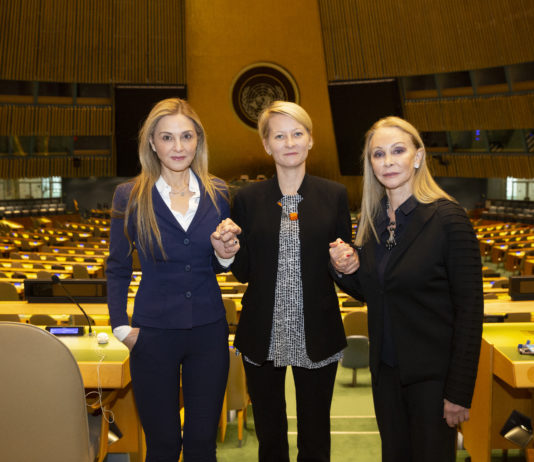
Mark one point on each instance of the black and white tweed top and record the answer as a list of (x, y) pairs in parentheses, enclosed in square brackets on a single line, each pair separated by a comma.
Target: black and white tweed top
[(288, 341)]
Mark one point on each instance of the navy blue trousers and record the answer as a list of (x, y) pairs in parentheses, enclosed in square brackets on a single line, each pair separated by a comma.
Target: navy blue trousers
[(155, 361)]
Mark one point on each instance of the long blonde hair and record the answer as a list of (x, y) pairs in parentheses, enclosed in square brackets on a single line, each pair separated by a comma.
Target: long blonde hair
[(425, 189), (140, 200)]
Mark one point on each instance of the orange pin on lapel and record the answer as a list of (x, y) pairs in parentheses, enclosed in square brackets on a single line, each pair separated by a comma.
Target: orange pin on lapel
[(293, 216)]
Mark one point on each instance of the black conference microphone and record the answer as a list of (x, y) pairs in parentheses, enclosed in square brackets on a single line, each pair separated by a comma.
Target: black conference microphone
[(56, 280)]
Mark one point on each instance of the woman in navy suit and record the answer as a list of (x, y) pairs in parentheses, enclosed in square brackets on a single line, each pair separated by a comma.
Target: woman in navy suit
[(175, 214), (290, 313), (421, 276)]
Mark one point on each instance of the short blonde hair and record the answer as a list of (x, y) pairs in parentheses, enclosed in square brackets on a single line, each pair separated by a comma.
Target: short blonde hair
[(425, 189), (287, 108)]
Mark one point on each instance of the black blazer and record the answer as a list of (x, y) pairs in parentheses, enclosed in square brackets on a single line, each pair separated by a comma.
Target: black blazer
[(323, 217), (433, 288)]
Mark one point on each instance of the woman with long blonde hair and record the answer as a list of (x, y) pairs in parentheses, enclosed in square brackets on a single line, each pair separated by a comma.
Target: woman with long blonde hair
[(416, 263), (174, 214)]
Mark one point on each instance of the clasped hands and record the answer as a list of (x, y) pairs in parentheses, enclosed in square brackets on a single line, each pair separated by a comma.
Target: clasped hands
[(343, 257), (224, 238)]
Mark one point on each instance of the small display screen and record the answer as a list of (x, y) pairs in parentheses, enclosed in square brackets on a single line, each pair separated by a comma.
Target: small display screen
[(65, 330)]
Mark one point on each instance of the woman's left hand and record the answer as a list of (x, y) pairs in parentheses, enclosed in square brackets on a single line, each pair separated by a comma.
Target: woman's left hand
[(454, 414), (343, 257), (224, 238)]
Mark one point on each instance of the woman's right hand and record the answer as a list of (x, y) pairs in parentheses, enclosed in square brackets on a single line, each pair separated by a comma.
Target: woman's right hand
[(131, 338), (343, 257)]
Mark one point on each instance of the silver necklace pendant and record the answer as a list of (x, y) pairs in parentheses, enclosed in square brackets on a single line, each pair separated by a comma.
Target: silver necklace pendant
[(391, 242), (177, 193), (180, 192)]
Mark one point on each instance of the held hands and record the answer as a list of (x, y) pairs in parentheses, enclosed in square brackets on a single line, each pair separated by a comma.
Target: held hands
[(454, 414), (343, 257), (224, 238)]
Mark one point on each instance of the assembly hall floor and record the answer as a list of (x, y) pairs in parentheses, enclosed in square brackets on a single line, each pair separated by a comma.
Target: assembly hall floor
[(354, 431)]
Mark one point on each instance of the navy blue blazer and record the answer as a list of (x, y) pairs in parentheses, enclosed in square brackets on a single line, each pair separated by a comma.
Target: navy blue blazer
[(179, 292)]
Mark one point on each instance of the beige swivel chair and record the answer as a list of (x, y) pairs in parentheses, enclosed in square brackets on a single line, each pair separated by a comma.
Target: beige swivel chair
[(230, 278), (80, 272), (517, 317), (236, 396), (136, 263), (231, 314), (44, 416), (43, 274), (42, 320), (9, 317), (355, 323), (351, 302), (80, 320), (19, 275), (8, 292)]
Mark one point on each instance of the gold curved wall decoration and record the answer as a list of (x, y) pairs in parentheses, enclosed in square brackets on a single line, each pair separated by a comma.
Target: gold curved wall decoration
[(366, 39), (486, 113)]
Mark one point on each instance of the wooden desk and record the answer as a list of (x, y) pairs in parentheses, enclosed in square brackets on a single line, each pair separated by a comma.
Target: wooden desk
[(109, 366), (508, 306), (56, 309), (93, 268), (504, 382), (84, 247), (62, 257)]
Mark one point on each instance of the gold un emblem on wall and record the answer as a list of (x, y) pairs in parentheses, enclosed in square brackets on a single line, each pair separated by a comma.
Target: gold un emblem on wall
[(257, 86)]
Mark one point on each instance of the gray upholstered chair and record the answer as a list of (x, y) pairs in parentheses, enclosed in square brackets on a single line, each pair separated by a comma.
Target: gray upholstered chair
[(45, 418), (356, 355)]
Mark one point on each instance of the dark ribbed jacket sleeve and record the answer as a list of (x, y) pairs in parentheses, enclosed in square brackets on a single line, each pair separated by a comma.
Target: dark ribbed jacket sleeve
[(465, 279)]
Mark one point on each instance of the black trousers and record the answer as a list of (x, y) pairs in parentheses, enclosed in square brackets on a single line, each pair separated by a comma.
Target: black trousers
[(314, 389), (202, 353), (410, 420)]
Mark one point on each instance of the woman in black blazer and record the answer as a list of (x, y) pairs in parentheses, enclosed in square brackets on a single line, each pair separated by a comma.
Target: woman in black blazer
[(420, 274), (290, 313)]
